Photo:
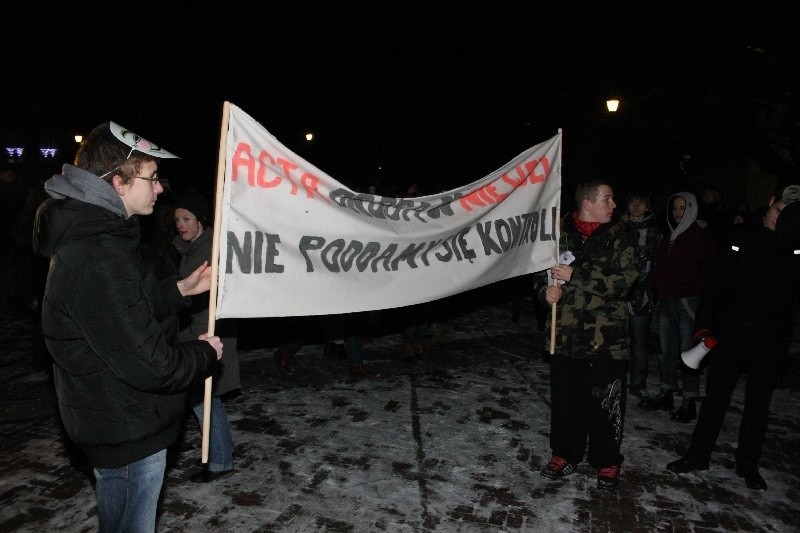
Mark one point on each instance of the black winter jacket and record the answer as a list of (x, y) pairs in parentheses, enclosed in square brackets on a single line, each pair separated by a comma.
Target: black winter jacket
[(752, 296), (111, 326)]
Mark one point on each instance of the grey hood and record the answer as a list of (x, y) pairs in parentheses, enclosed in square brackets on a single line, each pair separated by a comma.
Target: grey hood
[(84, 186), (689, 217)]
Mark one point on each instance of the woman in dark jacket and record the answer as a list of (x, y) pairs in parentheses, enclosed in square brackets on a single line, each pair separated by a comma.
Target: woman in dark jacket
[(120, 375), (194, 241)]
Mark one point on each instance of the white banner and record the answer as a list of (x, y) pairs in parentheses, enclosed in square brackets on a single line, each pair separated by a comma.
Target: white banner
[(294, 241)]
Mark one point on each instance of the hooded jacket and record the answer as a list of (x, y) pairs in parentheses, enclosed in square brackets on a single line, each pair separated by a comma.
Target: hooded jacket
[(110, 326), (685, 255)]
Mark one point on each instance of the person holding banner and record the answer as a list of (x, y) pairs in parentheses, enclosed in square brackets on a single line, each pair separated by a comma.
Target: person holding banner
[(194, 240), (750, 306), (120, 375), (588, 371)]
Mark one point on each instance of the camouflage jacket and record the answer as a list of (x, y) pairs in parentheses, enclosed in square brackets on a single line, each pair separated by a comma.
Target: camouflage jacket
[(592, 313)]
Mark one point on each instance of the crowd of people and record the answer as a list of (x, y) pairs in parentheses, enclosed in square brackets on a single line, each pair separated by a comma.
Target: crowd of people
[(124, 318), (739, 284)]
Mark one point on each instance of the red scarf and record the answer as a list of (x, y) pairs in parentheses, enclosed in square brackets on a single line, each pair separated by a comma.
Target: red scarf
[(584, 228)]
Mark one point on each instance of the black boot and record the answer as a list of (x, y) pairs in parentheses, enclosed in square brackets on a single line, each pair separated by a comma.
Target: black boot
[(686, 412), (688, 463), (660, 402), (751, 475)]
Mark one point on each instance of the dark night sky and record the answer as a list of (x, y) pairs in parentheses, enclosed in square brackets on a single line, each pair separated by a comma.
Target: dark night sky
[(447, 92)]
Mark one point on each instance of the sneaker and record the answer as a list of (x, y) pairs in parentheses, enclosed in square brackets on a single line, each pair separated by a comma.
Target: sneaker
[(361, 371), (660, 402), (558, 467), (608, 477), (207, 476), (282, 361), (686, 412)]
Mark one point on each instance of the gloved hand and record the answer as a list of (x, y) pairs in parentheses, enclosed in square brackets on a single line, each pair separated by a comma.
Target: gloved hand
[(701, 334)]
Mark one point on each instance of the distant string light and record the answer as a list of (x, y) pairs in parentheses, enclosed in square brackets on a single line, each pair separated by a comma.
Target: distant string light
[(48, 152), (14, 151)]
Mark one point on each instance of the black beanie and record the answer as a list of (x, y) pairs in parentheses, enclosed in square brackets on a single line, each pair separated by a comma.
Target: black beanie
[(196, 204)]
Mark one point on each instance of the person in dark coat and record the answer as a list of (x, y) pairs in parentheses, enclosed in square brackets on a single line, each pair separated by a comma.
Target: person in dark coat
[(194, 240), (111, 326), (749, 307), (640, 221)]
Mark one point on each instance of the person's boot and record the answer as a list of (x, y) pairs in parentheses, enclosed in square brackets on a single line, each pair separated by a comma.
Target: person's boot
[(688, 463), (752, 477), (660, 402), (686, 412)]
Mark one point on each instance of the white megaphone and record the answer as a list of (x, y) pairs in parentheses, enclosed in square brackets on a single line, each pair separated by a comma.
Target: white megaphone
[(692, 357)]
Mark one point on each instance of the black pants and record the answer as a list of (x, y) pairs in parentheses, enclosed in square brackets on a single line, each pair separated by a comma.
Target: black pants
[(726, 365), (588, 403)]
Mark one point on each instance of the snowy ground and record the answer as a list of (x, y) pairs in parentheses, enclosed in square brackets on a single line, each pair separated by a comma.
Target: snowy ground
[(451, 443)]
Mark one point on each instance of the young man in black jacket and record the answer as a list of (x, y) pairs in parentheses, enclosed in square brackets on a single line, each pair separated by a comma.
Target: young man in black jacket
[(111, 325), (749, 306)]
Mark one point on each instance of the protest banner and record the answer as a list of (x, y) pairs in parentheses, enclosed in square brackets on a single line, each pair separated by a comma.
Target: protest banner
[(294, 241)]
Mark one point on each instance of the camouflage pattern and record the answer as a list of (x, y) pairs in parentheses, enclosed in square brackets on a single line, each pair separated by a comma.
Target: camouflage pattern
[(592, 313)]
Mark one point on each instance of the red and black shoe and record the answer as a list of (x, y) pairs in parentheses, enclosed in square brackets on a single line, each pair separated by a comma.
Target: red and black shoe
[(558, 467), (608, 477)]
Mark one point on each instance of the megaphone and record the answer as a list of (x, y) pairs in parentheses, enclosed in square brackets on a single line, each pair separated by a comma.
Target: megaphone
[(692, 357)]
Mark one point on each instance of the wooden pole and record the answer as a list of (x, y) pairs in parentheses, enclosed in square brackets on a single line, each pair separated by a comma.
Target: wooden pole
[(212, 296), (553, 315)]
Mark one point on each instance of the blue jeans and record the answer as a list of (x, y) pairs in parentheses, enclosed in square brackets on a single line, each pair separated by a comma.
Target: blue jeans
[(639, 330), (127, 497), (675, 328), (220, 440), (355, 350), (416, 333)]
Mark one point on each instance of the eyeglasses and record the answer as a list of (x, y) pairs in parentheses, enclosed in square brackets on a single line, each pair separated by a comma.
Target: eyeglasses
[(154, 178)]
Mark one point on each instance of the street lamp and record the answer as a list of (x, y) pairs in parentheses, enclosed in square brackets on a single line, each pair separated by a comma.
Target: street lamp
[(612, 105), (309, 136), (79, 139)]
